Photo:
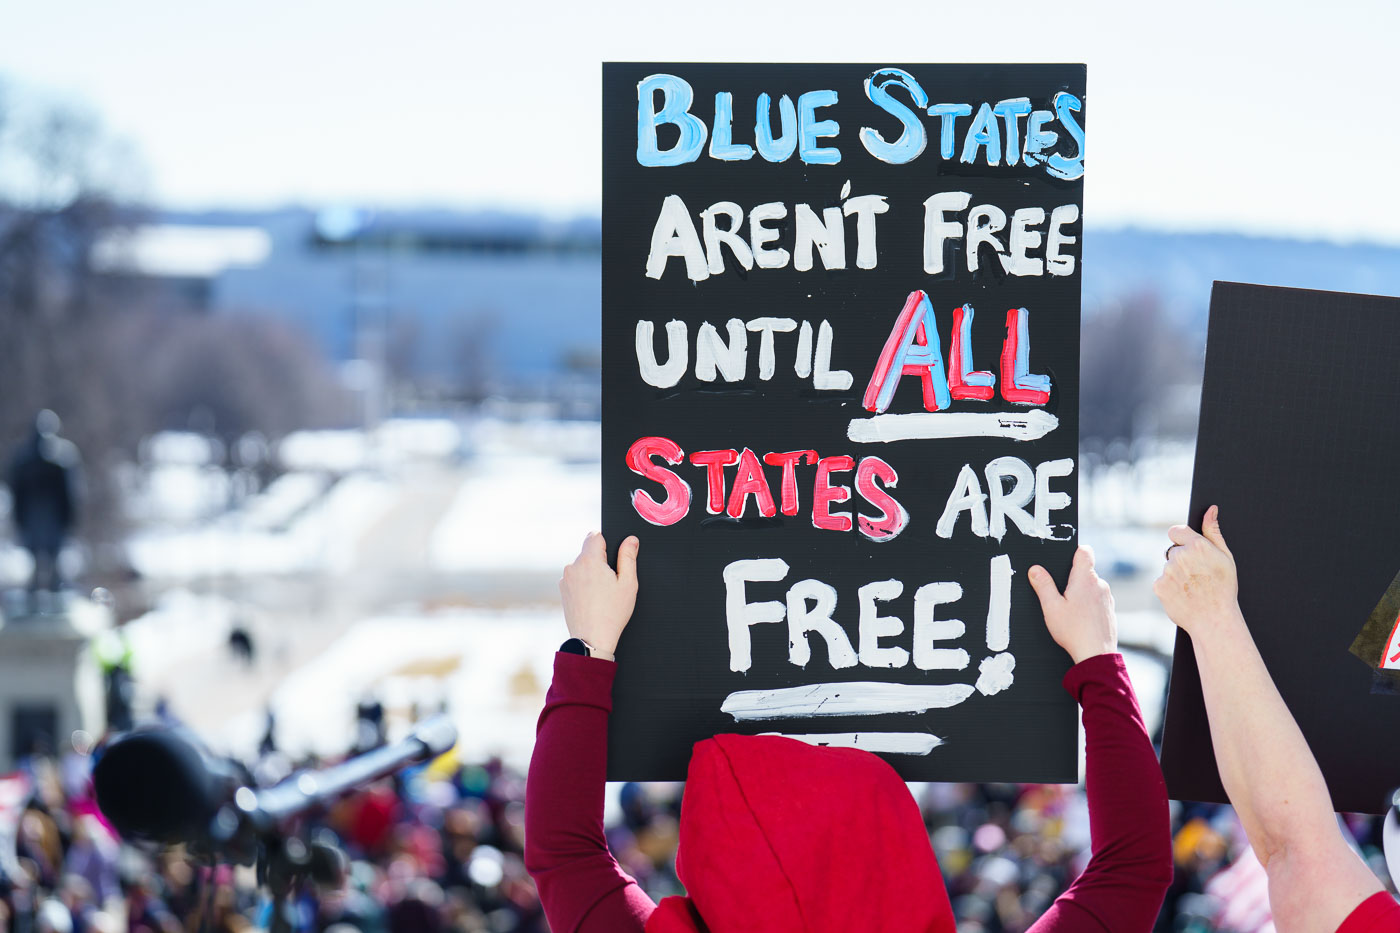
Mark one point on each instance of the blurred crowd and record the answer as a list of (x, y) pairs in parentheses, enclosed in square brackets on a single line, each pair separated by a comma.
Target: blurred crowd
[(439, 847), (1008, 850)]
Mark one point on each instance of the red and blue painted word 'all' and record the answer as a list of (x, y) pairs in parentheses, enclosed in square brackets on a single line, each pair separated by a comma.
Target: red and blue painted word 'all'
[(909, 351)]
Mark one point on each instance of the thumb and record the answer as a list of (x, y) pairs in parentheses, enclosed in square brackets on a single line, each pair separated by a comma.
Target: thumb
[(627, 560), (1210, 528), (1043, 584)]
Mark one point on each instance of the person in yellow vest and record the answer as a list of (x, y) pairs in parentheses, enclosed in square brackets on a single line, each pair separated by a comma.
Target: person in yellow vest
[(114, 657)]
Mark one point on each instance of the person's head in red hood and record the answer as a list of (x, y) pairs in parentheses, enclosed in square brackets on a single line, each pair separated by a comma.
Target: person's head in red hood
[(808, 833)]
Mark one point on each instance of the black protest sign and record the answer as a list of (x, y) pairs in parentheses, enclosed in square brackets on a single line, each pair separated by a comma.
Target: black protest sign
[(840, 397), (1298, 444)]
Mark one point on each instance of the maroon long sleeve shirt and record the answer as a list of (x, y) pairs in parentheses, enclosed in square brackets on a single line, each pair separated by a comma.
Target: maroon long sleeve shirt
[(583, 889)]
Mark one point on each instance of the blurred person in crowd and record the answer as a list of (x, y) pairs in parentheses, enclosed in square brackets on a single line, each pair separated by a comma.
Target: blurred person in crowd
[(226, 914), (92, 856), (267, 745), (1317, 884), (369, 725), (758, 849), (78, 897), (417, 909), (42, 479), (240, 644), (1199, 849), (53, 917), (115, 659), (42, 844)]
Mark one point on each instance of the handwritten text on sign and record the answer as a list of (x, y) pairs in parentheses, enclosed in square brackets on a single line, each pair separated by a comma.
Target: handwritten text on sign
[(922, 190)]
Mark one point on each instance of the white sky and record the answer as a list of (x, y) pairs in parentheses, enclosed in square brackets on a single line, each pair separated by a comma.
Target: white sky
[(1261, 117)]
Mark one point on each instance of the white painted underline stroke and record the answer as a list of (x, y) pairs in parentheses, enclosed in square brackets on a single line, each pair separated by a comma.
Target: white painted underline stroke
[(889, 743), (926, 425), (858, 698)]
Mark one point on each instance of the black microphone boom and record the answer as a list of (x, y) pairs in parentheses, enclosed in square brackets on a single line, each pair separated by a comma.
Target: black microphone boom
[(161, 785), (266, 809)]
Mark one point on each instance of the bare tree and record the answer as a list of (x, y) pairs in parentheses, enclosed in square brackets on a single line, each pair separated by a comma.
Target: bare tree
[(58, 196), (1130, 353), (474, 342), (107, 352), (402, 353), (242, 372)]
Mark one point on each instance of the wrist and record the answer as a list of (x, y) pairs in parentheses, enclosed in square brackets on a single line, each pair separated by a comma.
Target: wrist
[(1079, 657), (1223, 622), (587, 648)]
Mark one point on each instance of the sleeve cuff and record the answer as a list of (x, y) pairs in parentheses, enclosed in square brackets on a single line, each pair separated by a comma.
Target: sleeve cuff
[(1101, 668), (584, 680)]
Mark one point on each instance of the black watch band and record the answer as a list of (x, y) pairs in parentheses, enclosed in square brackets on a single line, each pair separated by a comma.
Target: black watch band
[(577, 646)]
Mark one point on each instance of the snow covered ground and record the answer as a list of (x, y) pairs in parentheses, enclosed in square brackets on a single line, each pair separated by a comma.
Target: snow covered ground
[(1155, 490), (182, 628), (487, 669), (321, 537), (528, 495), (518, 512)]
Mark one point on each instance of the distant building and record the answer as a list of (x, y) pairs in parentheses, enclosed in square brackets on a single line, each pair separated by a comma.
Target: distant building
[(461, 304)]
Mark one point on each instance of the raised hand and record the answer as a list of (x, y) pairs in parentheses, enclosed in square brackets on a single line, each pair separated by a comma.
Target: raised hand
[(1199, 586), (1081, 620), (598, 602)]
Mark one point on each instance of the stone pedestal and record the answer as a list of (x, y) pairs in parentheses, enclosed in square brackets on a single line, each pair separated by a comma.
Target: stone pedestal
[(49, 679)]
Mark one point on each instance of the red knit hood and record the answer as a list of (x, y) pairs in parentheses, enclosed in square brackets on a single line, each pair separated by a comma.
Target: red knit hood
[(778, 836)]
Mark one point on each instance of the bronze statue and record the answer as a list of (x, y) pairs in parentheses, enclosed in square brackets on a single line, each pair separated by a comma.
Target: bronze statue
[(42, 478)]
